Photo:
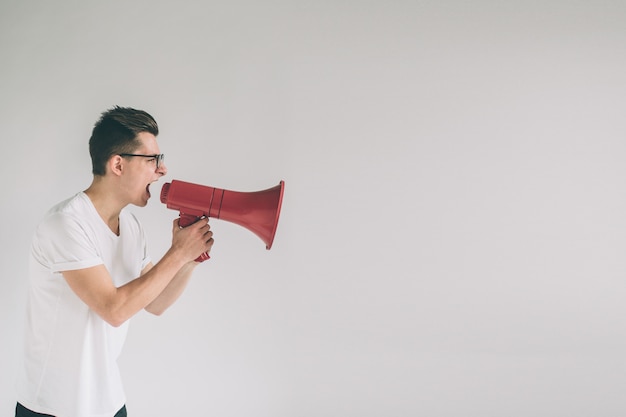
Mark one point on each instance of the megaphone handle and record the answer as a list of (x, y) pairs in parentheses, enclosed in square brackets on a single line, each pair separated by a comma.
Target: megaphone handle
[(189, 219)]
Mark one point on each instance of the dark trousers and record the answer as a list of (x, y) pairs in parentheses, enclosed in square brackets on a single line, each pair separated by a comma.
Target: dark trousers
[(21, 411)]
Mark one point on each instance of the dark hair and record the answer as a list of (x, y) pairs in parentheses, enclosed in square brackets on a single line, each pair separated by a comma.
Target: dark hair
[(116, 132)]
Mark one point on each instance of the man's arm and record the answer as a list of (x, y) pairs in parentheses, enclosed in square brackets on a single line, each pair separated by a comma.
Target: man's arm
[(173, 290), (95, 287)]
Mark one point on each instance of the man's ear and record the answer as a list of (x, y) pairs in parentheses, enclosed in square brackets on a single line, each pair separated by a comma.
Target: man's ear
[(116, 165)]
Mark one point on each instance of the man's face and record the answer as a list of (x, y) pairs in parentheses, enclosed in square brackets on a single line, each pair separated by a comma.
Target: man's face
[(142, 171)]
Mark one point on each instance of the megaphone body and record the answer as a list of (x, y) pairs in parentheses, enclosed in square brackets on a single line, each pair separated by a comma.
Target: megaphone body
[(256, 211)]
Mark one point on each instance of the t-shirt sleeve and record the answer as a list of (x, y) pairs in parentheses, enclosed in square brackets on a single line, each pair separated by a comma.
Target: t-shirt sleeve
[(62, 244)]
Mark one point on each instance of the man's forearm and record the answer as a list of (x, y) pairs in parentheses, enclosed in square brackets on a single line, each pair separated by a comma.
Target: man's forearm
[(174, 289)]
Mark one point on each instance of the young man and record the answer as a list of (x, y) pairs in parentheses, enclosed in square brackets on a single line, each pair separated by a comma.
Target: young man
[(90, 273)]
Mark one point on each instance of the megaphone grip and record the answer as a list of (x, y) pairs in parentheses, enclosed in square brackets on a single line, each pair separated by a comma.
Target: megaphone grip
[(187, 220)]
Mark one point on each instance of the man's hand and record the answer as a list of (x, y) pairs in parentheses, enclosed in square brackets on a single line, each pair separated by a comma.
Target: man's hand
[(193, 240)]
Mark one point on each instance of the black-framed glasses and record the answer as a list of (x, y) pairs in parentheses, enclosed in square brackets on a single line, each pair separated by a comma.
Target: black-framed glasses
[(157, 157)]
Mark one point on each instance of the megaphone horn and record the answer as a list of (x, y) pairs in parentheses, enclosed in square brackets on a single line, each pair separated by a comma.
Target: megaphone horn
[(256, 211)]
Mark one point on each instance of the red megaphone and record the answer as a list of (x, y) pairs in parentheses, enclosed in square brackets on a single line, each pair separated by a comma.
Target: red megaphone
[(256, 211)]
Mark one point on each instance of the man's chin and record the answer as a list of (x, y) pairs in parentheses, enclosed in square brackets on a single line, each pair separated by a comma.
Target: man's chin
[(141, 203)]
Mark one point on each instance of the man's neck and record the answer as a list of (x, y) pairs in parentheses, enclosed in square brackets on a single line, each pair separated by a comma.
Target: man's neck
[(106, 204)]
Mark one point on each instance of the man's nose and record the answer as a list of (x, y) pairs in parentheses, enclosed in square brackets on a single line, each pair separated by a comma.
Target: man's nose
[(162, 169)]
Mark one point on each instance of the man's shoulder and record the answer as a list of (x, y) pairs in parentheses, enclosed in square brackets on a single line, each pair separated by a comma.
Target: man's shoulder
[(69, 203), (75, 203), (73, 210)]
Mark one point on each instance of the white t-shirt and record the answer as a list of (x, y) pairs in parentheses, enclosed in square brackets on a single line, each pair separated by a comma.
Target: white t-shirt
[(70, 355)]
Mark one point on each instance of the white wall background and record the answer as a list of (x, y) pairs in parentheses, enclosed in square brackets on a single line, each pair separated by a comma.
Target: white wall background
[(453, 234)]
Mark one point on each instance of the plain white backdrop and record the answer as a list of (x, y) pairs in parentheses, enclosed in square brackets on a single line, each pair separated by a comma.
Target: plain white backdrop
[(453, 234)]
